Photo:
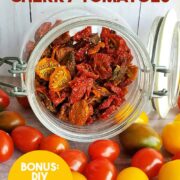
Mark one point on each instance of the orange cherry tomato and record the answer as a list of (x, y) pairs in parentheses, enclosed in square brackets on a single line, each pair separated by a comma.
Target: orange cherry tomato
[(100, 169), (6, 146), (54, 144), (148, 160), (104, 148), (26, 138), (4, 100), (76, 159)]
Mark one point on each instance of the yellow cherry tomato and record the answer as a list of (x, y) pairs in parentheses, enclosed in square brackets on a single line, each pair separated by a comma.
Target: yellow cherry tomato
[(78, 176), (143, 118), (170, 171), (132, 173), (171, 137), (177, 118)]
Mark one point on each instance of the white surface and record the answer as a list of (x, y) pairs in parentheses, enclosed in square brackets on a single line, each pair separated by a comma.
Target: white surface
[(15, 20)]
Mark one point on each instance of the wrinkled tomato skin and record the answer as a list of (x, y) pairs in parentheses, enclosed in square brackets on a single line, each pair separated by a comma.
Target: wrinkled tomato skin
[(148, 160), (104, 148), (26, 138), (6, 147), (76, 159), (4, 100), (54, 144), (100, 169), (23, 101)]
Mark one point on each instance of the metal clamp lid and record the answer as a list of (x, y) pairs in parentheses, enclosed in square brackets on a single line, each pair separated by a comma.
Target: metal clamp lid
[(18, 67)]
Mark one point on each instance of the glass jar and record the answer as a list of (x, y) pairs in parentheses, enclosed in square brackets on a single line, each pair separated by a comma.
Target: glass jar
[(145, 88)]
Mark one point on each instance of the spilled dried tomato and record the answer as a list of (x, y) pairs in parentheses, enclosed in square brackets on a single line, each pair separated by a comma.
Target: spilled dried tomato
[(85, 77)]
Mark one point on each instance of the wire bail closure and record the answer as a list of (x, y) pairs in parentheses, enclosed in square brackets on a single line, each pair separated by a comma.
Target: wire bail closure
[(163, 92), (18, 67)]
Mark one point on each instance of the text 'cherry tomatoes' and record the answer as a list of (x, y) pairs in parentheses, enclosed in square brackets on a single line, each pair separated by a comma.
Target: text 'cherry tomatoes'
[(104, 148), (148, 160), (4, 100), (6, 146), (54, 144), (76, 159), (100, 169), (26, 138)]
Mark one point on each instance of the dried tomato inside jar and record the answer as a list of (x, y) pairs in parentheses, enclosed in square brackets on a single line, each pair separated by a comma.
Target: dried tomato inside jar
[(84, 78)]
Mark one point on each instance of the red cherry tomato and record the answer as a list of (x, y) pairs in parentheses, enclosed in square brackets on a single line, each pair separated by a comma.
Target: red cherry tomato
[(148, 160), (76, 159), (6, 146), (176, 156), (104, 148), (4, 100), (100, 169), (54, 144), (26, 138), (23, 101)]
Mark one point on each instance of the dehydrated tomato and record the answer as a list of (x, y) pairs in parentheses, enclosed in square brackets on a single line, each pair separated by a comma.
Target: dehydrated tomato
[(45, 68), (60, 53), (81, 86), (42, 30), (102, 65), (43, 95), (79, 113), (61, 40), (69, 62), (86, 70), (83, 34), (96, 48), (59, 79), (84, 78), (28, 50)]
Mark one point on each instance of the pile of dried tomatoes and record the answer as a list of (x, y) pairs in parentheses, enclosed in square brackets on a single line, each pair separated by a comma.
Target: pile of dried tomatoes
[(85, 77)]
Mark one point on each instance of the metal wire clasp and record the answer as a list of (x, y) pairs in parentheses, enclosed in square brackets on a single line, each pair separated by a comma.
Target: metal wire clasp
[(163, 92), (18, 67)]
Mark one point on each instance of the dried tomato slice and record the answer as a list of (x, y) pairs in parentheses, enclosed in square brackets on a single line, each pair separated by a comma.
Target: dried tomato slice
[(83, 34), (86, 70), (59, 79), (61, 53), (96, 48), (45, 68), (80, 86), (64, 112), (79, 113), (132, 72), (42, 30), (61, 40), (108, 112), (102, 65), (100, 91), (43, 95)]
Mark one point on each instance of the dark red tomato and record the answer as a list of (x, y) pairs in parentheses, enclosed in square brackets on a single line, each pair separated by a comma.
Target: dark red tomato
[(54, 144), (26, 138), (4, 100), (76, 159), (23, 101), (6, 146), (104, 148), (148, 160), (100, 169), (178, 102), (176, 156)]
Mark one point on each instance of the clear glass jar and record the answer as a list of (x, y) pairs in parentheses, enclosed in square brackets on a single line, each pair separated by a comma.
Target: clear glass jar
[(140, 92)]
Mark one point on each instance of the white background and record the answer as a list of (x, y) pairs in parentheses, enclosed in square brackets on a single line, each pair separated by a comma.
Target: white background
[(17, 18)]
